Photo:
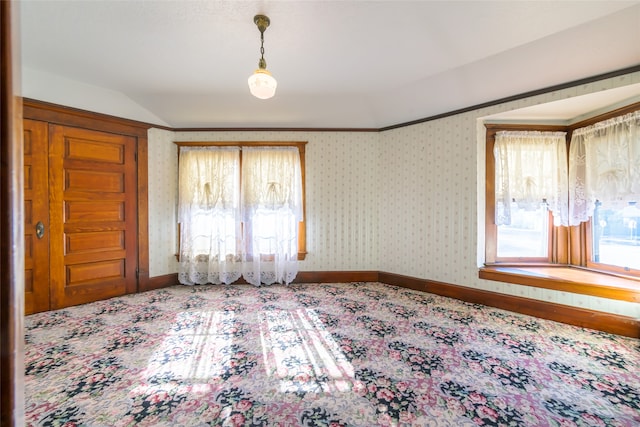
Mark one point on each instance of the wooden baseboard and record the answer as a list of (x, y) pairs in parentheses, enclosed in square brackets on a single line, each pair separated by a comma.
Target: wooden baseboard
[(159, 282), (336, 276), (607, 322), (167, 280)]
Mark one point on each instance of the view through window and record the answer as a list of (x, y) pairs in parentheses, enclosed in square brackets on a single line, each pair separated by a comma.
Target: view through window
[(616, 235), (528, 234)]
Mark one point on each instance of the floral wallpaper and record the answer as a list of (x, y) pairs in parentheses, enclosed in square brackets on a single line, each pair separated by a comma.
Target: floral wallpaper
[(408, 201), (163, 202), (341, 202)]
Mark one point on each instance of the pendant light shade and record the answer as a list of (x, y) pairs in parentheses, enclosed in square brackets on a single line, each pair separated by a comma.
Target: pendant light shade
[(261, 83)]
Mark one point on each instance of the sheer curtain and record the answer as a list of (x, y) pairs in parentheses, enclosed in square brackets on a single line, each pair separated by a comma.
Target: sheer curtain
[(530, 169), (604, 161), (271, 209), (209, 215)]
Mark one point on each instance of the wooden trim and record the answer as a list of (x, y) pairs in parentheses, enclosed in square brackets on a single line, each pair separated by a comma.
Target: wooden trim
[(336, 276), (69, 116), (496, 127), (523, 95), (612, 323), (499, 101), (302, 225), (159, 282), (587, 250), (299, 144), (612, 269), (11, 225), (605, 116), (567, 245), (559, 243), (143, 211), (220, 129), (566, 279), (302, 277), (491, 229), (61, 115)]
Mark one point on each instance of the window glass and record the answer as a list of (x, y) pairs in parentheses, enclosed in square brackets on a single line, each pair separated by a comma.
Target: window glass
[(527, 235), (616, 235), (272, 229), (215, 231)]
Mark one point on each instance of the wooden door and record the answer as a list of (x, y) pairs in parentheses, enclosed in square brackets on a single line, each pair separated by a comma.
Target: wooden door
[(36, 215), (93, 215)]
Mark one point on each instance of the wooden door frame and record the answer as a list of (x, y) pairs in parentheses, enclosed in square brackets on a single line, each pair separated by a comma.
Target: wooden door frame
[(36, 209), (11, 225), (67, 116)]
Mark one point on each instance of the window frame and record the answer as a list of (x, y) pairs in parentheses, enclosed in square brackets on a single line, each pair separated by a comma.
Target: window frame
[(491, 229), (302, 228), (568, 246), (599, 266)]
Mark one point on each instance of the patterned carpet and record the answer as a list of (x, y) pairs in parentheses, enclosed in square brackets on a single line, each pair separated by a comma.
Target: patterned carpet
[(358, 354)]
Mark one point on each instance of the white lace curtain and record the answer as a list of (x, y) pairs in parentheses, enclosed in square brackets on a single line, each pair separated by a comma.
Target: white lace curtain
[(604, 165), (209, 215), (271, 209), (227, 230), (530, 169)]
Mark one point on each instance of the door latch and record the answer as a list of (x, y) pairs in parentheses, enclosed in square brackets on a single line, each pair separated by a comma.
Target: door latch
[(39, 230)]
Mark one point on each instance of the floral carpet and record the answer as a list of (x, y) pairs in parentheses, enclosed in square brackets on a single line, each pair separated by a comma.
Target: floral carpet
[(357, 354)]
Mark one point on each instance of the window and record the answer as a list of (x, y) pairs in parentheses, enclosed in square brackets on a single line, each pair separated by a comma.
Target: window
[(527, 235), (594, 224), (615, 237), (530, 184), (241, 212)]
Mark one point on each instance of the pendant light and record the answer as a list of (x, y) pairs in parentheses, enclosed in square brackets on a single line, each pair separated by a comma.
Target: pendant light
[(261, 84)]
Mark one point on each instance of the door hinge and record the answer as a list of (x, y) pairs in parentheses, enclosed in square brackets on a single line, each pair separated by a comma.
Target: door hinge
[(135, 156), (137, 273)]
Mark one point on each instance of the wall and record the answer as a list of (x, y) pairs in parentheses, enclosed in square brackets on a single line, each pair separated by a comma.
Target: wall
[(56, 89), (341, 201), (408, 201), (163, 201), (431, 214)]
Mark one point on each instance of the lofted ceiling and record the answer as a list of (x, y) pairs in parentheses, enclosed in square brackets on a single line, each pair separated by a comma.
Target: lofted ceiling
[(339, 64)]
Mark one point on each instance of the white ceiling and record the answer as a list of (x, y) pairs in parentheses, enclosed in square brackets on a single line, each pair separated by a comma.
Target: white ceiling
[(339, 64)]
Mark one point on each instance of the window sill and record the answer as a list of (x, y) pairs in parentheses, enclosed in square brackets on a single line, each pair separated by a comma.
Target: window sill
[(567, 279)]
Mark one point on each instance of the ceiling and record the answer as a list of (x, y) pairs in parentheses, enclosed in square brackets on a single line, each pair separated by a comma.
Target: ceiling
[(339, 64)]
